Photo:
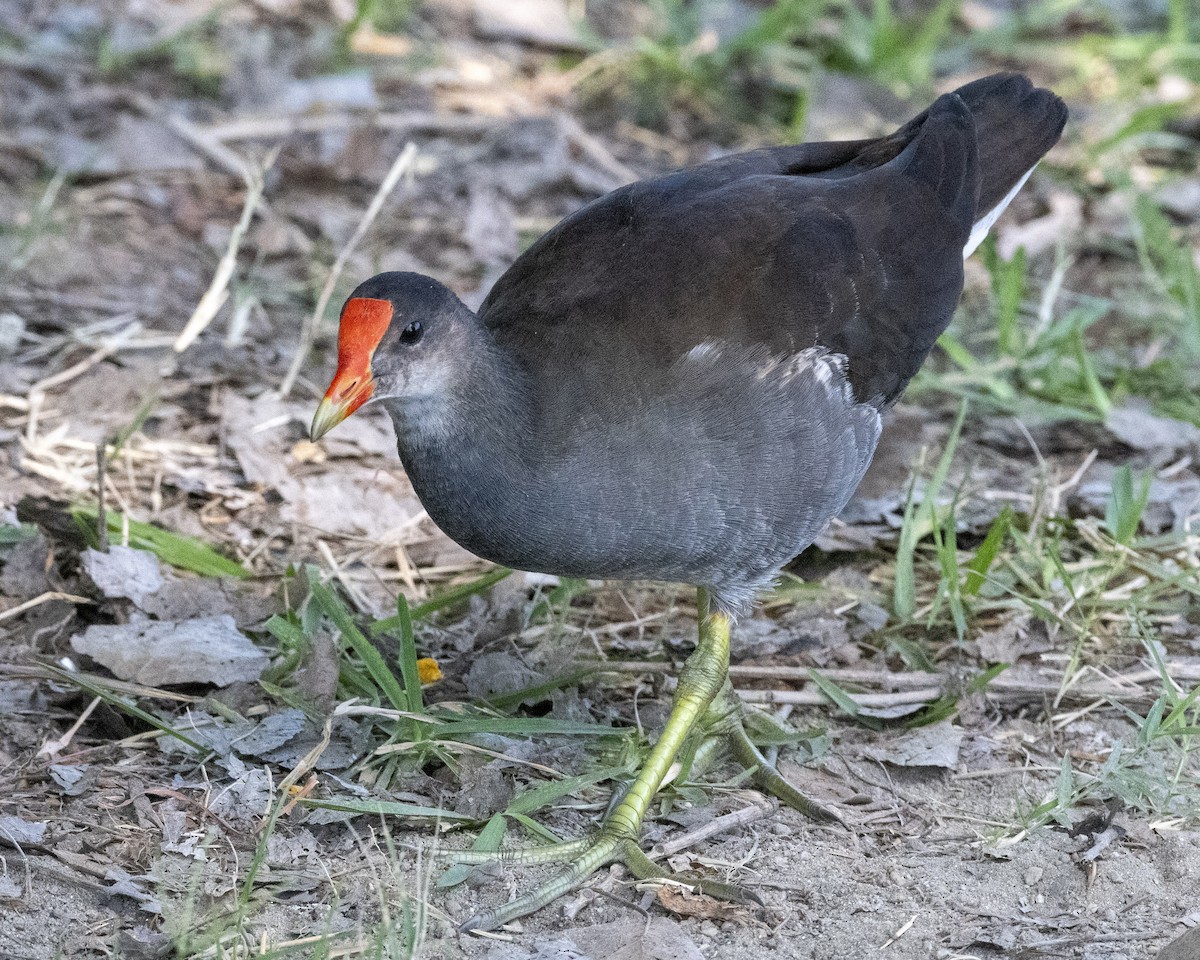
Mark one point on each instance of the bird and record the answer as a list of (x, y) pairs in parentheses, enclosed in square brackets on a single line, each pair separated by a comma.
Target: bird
[(685, 380)]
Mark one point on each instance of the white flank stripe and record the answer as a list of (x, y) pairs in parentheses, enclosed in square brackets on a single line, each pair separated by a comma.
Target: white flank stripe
[(984, 224)]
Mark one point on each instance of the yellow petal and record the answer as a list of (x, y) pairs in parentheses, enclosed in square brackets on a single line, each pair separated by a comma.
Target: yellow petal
[(428, 670)]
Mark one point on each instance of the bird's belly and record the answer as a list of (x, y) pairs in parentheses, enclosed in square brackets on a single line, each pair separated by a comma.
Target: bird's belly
[(719, 471), (665, 515)]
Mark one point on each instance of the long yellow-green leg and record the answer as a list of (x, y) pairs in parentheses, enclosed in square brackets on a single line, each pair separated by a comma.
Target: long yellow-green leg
[(702, 677)]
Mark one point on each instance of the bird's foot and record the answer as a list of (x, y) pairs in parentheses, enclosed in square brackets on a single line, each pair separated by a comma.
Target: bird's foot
[(585, 857), (699, 682), (723, 724)]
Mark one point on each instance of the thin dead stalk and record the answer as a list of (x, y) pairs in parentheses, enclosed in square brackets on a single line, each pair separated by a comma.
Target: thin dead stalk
[(51, 748), (101, 507), (276, 128), (760, 809), (919, 687), (403, 165), (218, 291), (197, 137), (814, 697), (40, 599)]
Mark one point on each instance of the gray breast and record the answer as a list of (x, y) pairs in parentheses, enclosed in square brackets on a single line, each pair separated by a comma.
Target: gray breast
[(714, 471), (717, 473)]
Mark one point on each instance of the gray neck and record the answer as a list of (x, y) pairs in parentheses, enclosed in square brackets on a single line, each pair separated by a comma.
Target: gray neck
[(468, 444)]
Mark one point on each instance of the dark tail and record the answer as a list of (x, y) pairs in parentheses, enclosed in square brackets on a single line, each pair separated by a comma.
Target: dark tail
[(1016, 123)]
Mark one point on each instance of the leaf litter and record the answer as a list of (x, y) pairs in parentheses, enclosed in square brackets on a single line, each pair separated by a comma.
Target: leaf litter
[(223, 461)]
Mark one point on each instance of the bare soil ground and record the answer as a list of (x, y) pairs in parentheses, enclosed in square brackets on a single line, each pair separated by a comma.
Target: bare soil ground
[(1040, 814)]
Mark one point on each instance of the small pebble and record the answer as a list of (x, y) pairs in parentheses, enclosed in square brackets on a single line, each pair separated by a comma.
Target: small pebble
[(1033, 875), (709, 929)]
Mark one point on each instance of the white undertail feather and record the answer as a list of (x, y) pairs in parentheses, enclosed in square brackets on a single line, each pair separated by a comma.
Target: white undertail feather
[(984, 224)]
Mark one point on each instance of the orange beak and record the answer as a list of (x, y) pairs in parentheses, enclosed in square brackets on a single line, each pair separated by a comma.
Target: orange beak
[(364, 322)]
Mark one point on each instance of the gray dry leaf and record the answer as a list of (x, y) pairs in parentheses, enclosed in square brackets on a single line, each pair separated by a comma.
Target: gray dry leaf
[(933, 746), (544, 23), (124, 572), (1013, 639), (358, 497), (19, 833), (349, 90), (636, 939), (244, 800), (271, 733), (490, 229), (24, 572), (126, 885), (1138, 428), (205, 650), (138, 576), (72, 780), (496, 673)]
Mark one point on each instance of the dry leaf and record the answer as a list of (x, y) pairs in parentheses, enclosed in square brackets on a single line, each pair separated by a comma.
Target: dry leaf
[(159, 653), (685, 903)]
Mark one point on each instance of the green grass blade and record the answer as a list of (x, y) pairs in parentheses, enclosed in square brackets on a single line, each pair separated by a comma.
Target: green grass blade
[(441, 601), (408, 657), (490, 838), (835, 693), (532, 800), (176, 549), (1126, 503), (985, 555), (536, 828), (383, 808), (919, 520), (521, 727), (539, 691), (10, 534), (115, 700), (328, 603)]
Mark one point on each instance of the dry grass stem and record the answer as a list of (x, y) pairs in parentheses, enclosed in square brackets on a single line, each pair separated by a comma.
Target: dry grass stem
[(52, 748), (218, 290), (38, 600), (761, 808), (277, 128), (197, 137), (813, 697)]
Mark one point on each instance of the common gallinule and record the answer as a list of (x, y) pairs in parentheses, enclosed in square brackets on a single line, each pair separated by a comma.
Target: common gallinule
[(683, 381)]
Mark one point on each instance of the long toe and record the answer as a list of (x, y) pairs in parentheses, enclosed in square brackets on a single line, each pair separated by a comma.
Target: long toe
[(723, 721), (604, 849)]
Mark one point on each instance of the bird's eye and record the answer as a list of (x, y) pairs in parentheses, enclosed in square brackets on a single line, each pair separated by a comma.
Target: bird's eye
[(412, 333)]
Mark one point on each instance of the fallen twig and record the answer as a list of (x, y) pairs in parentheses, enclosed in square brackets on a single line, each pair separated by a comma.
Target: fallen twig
[(51, 748), (40, 599), (197, 137), (275, 128), (916, 687), (762, 808), (814, 697)]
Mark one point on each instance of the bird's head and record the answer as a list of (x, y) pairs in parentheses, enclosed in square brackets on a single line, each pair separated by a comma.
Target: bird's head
[(399, 336)]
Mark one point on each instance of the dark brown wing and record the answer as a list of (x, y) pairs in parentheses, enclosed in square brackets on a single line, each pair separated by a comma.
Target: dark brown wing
[(855, 247)]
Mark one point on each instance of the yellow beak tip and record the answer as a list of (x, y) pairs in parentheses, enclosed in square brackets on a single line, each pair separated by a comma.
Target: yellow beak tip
[(327, 417)]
